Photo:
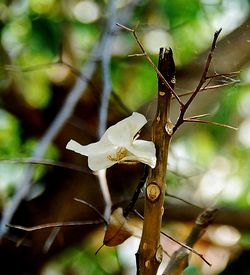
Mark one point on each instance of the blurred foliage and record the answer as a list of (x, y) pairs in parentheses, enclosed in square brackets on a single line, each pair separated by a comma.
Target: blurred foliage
[(32, 32)]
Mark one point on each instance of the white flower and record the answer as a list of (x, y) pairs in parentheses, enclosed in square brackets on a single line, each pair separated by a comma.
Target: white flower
[(118, 145)]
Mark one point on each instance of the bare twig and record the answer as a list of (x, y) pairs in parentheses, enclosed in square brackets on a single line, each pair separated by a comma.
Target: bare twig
[(183, 200), (144, 53), (223, 74), (52, 163), (213, 87), (210, 122), (93, 208), (52, 225)]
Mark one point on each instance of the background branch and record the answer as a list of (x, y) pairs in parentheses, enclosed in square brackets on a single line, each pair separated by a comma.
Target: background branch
[(179, 260)]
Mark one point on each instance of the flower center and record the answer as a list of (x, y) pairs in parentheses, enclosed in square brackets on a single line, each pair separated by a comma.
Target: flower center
[(120, 153)]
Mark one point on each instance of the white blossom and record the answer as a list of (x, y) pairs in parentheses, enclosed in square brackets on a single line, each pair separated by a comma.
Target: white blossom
[(119, 144)]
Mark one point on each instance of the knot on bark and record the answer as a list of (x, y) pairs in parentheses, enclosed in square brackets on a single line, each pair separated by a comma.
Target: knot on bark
[(153, 191)]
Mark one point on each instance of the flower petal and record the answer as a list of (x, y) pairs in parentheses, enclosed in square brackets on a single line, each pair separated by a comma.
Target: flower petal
[(144, 151), (101, 161), (96, 148), (122, 133)]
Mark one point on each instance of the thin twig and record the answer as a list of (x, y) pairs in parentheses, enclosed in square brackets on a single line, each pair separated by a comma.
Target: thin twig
[(183, 200), (52, 225), (199, 116), (213, 87), (183, 245), (52, 163), (50, 240), (179, 260), (144, 53), (93, 208), (222, 75), (210, 122)]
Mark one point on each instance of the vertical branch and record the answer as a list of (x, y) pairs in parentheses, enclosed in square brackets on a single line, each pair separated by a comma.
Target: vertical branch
[(105, 65), (106, 91), (149, 255), (179, 260)]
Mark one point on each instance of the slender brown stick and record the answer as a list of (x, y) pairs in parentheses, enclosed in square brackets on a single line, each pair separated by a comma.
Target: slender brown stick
[(52, 225), (211, 123), (149, 255)]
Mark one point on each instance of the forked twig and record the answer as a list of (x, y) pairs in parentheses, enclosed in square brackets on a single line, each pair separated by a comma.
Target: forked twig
[(144, 53)]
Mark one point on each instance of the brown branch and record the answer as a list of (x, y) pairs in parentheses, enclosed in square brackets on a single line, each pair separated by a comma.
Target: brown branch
[(179, 260), (203, 79), (149, 255)]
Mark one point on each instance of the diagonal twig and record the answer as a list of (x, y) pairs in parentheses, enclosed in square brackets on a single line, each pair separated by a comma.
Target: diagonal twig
[(53, 225), (144, 53), (210, 122), (179, 260)]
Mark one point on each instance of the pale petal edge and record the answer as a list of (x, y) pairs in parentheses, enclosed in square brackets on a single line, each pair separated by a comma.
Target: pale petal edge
[(123, 132), (76, 147)]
